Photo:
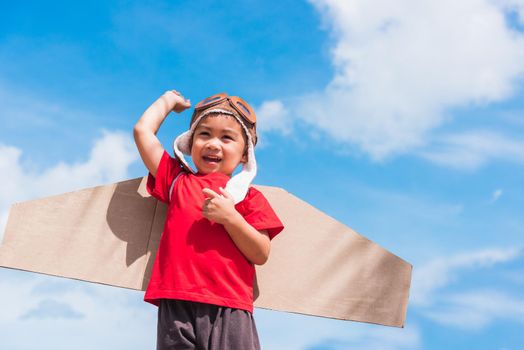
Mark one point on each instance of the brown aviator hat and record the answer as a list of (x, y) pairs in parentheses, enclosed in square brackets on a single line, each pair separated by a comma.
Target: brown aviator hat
[(232, 104)]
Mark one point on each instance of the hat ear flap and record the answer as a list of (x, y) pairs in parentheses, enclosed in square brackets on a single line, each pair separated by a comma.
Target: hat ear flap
[(181, 146), (238, 185)]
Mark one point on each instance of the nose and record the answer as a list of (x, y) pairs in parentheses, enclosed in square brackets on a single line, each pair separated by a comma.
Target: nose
[(213, 143)]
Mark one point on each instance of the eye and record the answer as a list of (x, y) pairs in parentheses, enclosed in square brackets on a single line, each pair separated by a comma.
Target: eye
[(203, 133), (227, 137)]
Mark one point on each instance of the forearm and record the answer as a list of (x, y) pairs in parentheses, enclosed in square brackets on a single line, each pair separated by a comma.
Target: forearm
[(155, 114), (254, 244), (145, 130)]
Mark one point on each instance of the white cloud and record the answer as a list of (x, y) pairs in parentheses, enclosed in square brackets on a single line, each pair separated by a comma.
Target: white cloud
[(439, 273), (377, 339), (272, 115), (108, 161), (475, 310), (470, 150), (87, 315), (50, 308), (3, 222), (335, 333), (472, 309), (399, 66)]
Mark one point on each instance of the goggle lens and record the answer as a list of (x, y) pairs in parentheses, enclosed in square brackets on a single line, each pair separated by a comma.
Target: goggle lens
[(210, 99), (244, 108)]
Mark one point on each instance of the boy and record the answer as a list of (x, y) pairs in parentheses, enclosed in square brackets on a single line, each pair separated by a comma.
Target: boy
[(217, 226)]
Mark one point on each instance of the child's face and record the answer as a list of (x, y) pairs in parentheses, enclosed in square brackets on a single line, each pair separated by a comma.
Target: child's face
[(218, 145)]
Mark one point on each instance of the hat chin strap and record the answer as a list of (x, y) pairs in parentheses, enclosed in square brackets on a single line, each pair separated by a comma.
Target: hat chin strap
[(238, 185)]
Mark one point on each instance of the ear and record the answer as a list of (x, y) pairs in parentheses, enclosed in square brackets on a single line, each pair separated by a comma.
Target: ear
[(244, 157)]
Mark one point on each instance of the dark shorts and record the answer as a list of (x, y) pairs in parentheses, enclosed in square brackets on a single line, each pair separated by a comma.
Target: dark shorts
[(191, 325)]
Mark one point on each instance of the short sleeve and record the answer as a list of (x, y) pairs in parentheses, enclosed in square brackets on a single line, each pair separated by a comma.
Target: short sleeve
[(159, 185), (257, 211)]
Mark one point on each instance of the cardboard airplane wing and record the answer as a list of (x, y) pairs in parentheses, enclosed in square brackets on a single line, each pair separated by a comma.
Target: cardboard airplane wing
[(110, 234)]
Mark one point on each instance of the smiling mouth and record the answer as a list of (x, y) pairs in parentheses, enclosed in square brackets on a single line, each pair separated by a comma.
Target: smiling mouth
[(212, 159)]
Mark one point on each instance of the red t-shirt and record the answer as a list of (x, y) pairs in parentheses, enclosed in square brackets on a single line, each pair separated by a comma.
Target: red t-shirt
[(196, 259)]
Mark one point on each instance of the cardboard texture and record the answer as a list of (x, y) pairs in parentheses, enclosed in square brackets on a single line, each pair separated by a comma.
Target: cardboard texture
[(110, 234)]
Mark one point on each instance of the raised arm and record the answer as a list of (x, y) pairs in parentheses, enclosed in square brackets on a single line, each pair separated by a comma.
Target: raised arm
[(145, 130)]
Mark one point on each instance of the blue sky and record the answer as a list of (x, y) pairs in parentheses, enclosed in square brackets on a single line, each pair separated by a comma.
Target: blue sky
[(403, 120)]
